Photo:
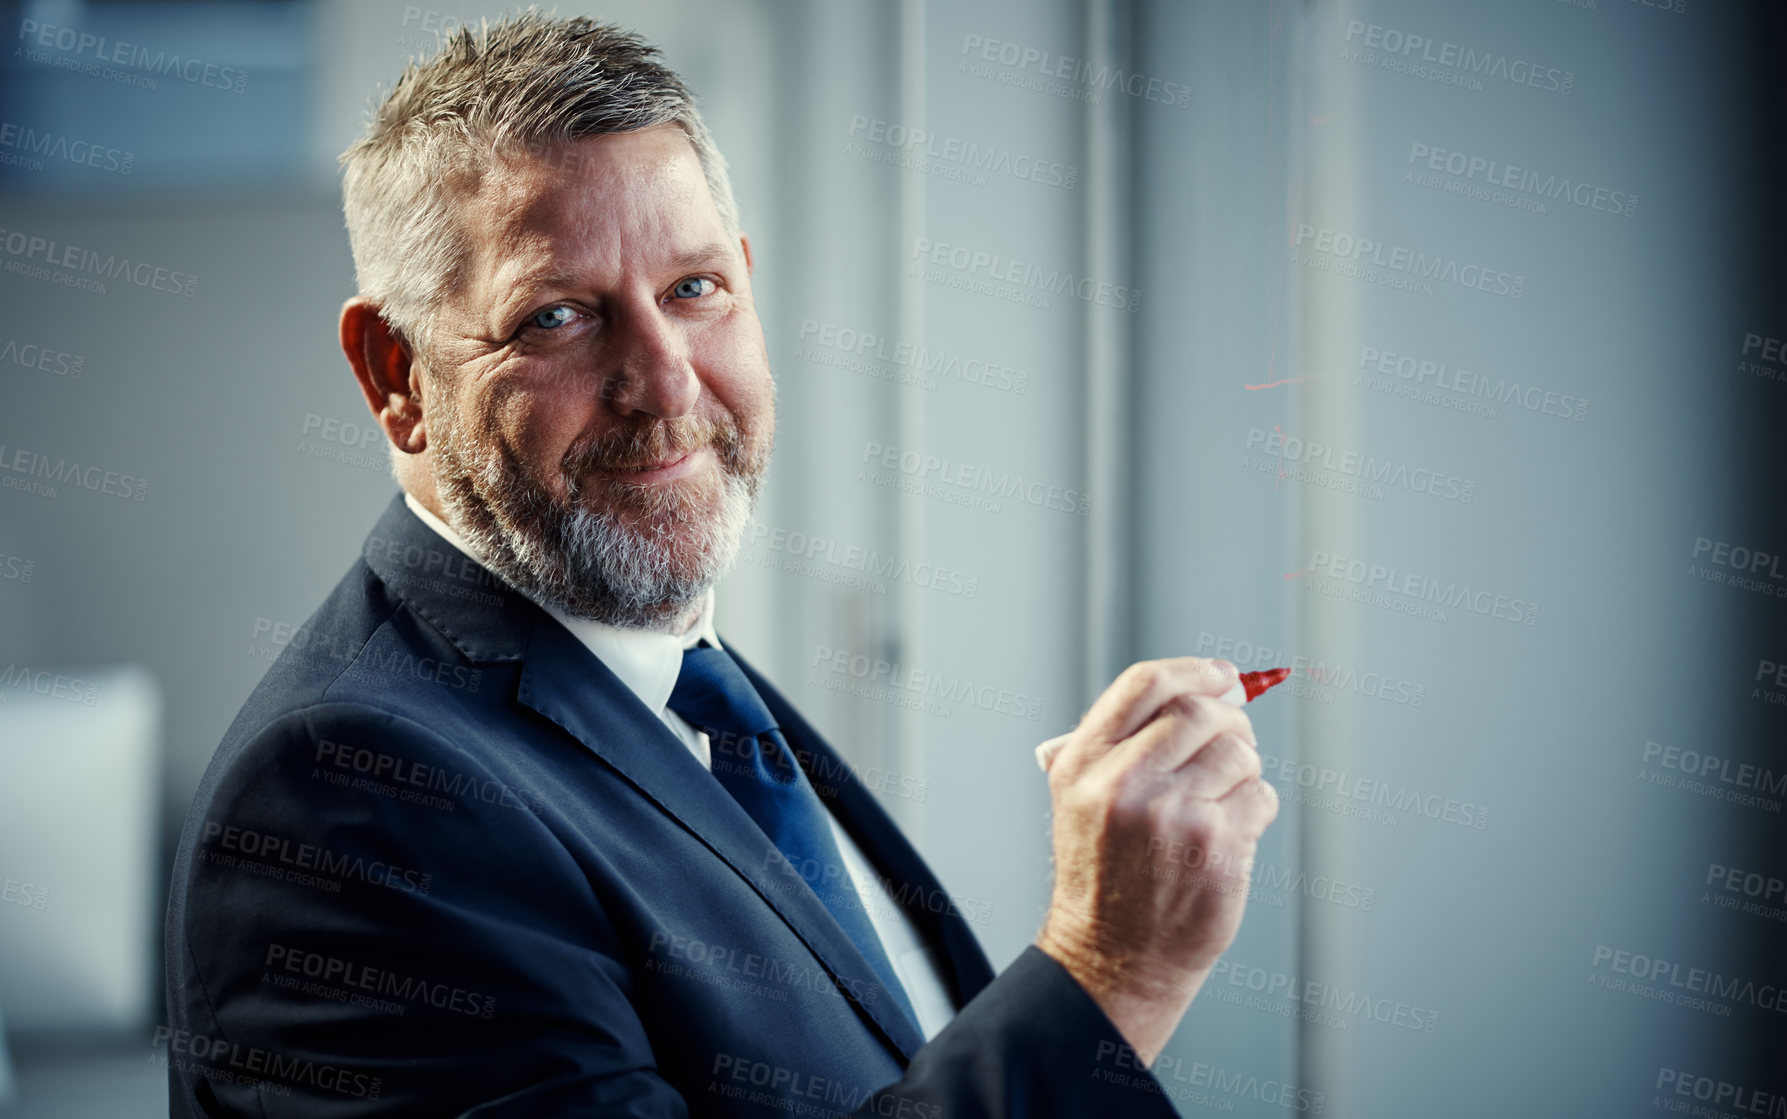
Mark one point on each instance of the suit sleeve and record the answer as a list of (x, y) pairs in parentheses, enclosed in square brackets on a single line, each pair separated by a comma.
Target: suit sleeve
[(1034, 1044), (351, 934), (366, 921)]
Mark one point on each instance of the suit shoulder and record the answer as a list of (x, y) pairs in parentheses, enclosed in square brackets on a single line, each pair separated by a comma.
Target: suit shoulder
[(364, 650), (310, 656), (367, 737)]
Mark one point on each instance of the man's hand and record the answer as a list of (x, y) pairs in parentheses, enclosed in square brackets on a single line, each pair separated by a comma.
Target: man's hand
[(1158, 809)]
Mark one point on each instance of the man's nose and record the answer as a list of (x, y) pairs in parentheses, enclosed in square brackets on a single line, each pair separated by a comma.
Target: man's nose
[(654, 375)]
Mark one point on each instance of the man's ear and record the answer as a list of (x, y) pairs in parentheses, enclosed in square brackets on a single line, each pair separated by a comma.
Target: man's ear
[(387, 371), (744, 243)]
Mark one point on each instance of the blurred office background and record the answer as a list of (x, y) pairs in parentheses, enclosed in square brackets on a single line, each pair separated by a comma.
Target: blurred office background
[(1433, 348)]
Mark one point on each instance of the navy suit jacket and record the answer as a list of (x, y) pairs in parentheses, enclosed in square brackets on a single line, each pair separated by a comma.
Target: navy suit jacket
[(445, 863)]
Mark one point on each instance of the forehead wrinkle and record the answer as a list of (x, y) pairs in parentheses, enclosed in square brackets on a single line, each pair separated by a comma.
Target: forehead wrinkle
[(536, 228)]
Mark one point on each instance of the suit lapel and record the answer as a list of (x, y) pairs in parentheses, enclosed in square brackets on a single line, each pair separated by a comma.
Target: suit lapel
[(564, 681), (489, 622), (881, 840)]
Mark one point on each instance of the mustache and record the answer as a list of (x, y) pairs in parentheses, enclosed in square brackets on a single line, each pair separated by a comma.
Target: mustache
[(652, 440)]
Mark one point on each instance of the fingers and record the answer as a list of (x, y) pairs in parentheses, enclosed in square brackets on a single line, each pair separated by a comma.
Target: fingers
[(1142, 689), (1219, 768), (1135, 698), (1252, 806), (1221, 834), (1046, 751), (1184, 727)]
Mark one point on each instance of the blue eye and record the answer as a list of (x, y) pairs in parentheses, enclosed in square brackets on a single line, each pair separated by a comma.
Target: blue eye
[(553, 317), (694, 287)]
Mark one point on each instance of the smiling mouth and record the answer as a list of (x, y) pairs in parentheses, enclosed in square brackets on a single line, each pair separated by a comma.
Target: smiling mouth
[(665, 469), (652, 467)]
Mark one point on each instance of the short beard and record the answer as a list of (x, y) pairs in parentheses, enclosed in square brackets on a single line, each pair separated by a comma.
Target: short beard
[(641, 558)]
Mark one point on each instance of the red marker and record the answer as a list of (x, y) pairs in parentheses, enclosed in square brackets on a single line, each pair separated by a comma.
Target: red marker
[(1250, 687), (1256, 684)]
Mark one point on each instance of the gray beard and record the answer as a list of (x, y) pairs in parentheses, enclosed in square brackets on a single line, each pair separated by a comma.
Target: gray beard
[(590, 563)]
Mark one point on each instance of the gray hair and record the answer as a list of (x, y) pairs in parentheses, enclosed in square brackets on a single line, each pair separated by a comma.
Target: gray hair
[(524, 85)]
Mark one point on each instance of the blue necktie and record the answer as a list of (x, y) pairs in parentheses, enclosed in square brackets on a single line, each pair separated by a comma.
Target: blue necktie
[(754, 763)]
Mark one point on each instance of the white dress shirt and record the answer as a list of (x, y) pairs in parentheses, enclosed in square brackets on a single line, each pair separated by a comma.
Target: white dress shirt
[(648, 663)]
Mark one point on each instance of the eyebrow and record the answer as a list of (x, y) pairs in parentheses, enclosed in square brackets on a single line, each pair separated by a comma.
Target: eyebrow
[(701, 254), (562, 278)]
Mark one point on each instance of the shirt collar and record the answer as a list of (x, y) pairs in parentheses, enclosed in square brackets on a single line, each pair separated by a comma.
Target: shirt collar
[(647, 661)]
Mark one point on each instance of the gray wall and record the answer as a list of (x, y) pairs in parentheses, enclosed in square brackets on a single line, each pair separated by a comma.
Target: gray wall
[(1512, 938)]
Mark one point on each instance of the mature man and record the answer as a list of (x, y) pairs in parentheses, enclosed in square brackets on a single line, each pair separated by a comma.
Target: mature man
[(508, 830)]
